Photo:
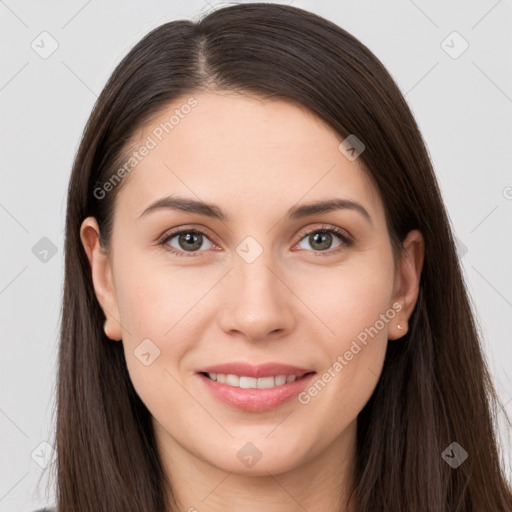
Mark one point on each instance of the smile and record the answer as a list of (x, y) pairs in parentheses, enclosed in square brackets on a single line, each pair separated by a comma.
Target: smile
[(273, 393), (245, 382)]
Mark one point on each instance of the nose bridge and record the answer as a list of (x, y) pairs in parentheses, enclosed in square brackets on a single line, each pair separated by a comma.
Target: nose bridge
[(259, 303), (255, 279)]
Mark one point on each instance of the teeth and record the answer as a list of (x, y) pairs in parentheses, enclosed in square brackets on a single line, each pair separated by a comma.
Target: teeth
[(232, 380), (280, 379), (245, 382), (249, 382), (262, 382)]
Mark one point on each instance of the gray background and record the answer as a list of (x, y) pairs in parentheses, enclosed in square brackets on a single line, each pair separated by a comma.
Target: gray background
[(463, 106)]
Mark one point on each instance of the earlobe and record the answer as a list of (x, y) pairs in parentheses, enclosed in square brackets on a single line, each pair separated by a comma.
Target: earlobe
[(102, 277), (407, 282)]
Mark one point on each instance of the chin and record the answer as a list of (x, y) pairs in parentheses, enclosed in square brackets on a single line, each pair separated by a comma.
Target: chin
[(259, 457)]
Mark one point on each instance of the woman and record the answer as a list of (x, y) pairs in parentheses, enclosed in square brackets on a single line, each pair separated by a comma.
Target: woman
[(263, 306)]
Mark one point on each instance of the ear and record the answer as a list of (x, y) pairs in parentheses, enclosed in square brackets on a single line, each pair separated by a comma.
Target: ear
[(102, 276), (407, 281)]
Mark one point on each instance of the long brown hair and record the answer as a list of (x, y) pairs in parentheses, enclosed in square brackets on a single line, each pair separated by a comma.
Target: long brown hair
[(435, 387)]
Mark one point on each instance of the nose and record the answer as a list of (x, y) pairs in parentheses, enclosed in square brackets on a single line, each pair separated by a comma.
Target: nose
[(259, 304)]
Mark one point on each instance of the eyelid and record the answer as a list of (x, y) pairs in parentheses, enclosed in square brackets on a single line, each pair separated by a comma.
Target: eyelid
[(326, 227)]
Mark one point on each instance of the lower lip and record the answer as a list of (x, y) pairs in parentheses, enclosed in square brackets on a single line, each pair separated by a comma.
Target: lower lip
[(256, 400)]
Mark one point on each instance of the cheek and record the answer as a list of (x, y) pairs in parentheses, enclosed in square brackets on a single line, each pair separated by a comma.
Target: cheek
[(158, 335), (357, 308), (350, 298), (154, 298), (353, 303), (159, 308)]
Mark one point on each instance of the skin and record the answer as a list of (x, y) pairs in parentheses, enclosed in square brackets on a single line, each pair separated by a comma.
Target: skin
[(255, 159)]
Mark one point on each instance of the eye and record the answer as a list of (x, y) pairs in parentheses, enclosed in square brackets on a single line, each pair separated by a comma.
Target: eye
[(187, 241), (320, 240)]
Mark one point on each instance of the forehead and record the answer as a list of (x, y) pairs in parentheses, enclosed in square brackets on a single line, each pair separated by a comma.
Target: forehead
[(242, 150)]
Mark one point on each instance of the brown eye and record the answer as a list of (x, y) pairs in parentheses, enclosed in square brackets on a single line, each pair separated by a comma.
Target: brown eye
[(187, 241), (322, 239)]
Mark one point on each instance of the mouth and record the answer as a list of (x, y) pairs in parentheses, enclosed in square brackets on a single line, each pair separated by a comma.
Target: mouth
[(251, 394), (247, 382)]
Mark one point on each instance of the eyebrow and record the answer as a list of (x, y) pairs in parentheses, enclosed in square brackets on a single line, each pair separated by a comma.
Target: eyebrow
[(294, 213)]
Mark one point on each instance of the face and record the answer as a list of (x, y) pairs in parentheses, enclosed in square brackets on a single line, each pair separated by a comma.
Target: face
[(187, 291)]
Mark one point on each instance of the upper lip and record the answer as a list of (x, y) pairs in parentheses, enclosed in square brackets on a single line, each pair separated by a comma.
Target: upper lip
[(261, 370)]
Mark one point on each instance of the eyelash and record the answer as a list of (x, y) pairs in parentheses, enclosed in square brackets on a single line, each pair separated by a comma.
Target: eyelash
[(346, 240)]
